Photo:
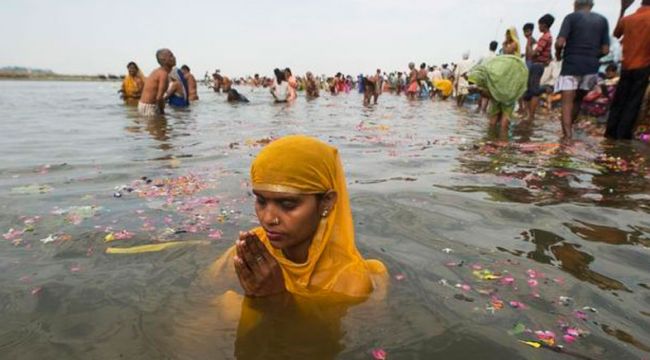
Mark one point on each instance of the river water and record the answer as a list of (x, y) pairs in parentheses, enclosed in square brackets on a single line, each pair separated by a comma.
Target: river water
[(489, 241)]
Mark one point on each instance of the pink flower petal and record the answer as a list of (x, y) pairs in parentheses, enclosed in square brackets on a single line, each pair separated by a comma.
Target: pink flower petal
[(379, 354), (215, 234), (123, 235), (581, 315), (517, 305)]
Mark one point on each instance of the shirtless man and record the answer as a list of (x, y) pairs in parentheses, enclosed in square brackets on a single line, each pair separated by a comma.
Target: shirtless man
[(191, 83), (413, 87), (152, 102), (217, 81), (378, 80), (311, 87)]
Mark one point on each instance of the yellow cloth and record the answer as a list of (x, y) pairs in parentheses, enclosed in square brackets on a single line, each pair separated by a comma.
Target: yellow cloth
[(303, 165), (512, 31), (445, 86), (131, 87), (153, 247)]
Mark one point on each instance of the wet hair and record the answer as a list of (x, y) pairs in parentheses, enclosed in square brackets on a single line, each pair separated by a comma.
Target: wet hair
[(132, 63), (611, 67), (529, 27), (185, 67), (494, 45), (547, 20)]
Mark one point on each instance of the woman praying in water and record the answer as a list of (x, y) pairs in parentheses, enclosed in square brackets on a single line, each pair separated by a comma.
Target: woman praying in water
[(305, 242)]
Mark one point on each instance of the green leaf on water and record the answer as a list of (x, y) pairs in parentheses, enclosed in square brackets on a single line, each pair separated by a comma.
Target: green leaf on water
[(31, 189), (518, 329)]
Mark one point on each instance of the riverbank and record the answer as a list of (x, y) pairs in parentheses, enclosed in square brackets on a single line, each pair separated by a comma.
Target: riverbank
[(56, 77)]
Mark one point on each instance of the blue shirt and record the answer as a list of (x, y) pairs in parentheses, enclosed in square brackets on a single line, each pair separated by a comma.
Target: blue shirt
[(585, 33)]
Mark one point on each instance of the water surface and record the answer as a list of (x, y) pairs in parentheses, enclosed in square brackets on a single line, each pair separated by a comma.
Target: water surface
[(435, 195)]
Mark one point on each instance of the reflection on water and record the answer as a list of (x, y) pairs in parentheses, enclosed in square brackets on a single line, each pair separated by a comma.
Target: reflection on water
[(424, 177), (568, 257)]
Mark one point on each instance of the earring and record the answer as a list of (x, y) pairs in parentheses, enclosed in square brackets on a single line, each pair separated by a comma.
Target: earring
[(325, 212)]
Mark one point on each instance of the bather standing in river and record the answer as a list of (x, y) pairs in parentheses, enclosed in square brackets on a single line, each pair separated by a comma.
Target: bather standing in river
[(133, 83), (191, 83), (152, 101)]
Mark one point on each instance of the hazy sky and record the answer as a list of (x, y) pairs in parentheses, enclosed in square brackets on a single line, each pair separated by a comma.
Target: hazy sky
[(243, 37)]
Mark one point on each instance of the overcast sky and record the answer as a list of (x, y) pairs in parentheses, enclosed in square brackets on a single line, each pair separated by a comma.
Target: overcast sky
[(244, 37)]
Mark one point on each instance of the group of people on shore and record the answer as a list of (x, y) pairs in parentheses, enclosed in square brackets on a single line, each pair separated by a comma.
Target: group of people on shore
[(575, 69)]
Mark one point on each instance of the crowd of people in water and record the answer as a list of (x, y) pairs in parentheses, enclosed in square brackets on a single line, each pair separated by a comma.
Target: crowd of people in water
[(576, 72), (305, 245)]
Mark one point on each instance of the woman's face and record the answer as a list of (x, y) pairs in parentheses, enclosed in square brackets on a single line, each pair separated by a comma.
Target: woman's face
[(289, 220)]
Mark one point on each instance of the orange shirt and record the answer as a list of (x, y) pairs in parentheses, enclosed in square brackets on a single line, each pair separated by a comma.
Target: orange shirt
[(635, 30)]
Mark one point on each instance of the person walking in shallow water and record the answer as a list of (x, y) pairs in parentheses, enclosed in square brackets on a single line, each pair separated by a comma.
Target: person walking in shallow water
[(152, 101), (583, 40)]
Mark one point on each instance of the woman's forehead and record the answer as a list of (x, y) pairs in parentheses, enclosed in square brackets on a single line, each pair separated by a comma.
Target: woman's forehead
[(277, 195)]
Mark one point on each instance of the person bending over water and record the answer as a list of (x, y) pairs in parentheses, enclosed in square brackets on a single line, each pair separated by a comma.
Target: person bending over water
[(133, 83), (502, 79), (235, 97), (369, 89), (152, 101)]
